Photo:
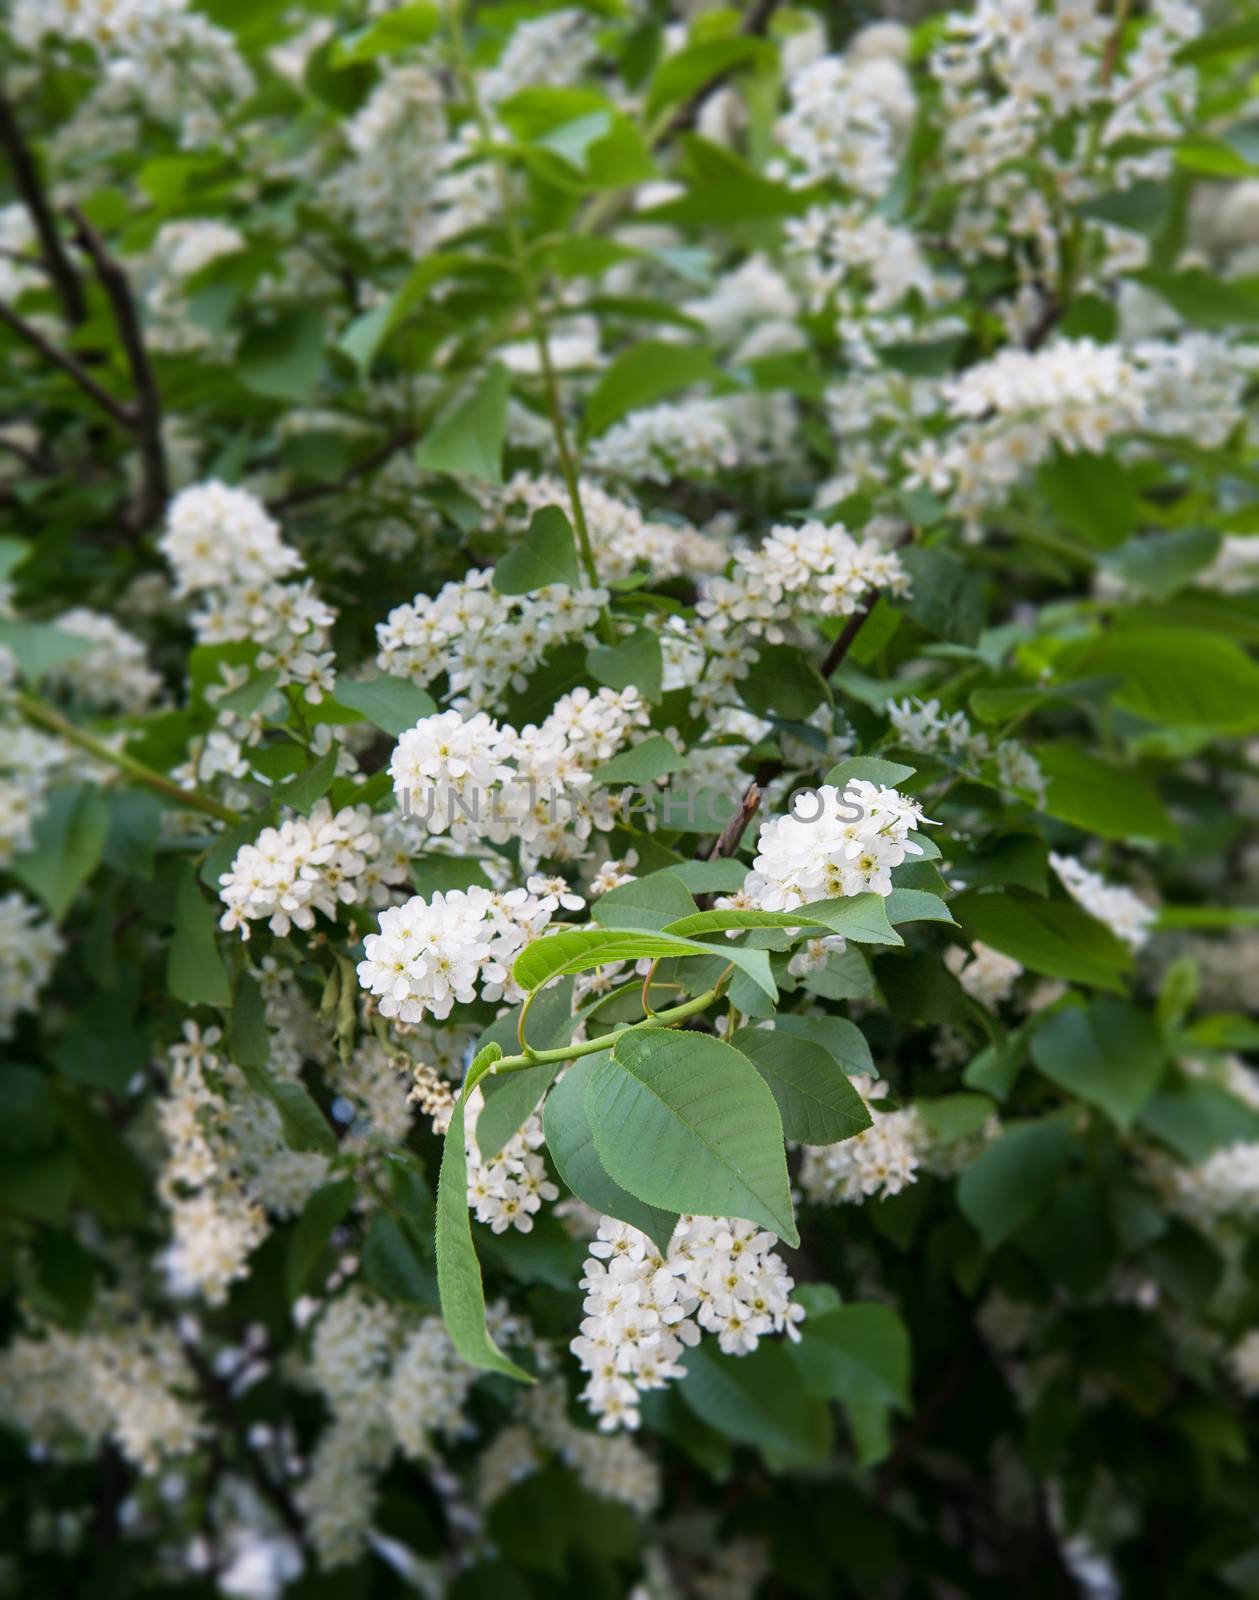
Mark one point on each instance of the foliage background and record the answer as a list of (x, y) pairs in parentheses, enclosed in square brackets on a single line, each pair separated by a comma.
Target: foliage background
[(604, 300)]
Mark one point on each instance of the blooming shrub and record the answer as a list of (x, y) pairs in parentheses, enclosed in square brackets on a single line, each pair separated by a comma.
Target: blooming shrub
[(628, 745)]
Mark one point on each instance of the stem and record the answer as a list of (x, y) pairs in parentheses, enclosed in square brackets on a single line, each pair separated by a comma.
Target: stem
[(191, 799), (65, 362), (605, 1041), (524, 270)]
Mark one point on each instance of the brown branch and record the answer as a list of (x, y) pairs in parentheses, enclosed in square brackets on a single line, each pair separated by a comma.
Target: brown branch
[(360, 469), (147, 412), (729, 837), (30, 186), (66, 363)]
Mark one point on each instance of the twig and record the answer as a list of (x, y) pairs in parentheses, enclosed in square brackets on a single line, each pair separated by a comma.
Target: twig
[(29, 185), (66, 363), (147, 411), (729, 837)]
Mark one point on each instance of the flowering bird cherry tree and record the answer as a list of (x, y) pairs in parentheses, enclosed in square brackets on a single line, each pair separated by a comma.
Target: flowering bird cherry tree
[(629, 741)]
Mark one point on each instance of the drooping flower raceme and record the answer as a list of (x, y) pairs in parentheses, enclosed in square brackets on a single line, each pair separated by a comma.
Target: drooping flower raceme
[(1123, 912), (307, 864), (643, 1309)]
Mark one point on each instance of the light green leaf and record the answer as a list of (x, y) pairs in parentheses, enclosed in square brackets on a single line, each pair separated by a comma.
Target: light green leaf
[(1101, 797), (458, 1272), (389, 35), (546, 555), (841, 1039), (916, 905), (870, 768), (654, 758), (655, 901), (634, 663), (467, 439), (641, 376), (571, 1143), (578, 950), (860, 917), (702, 922), (679, 76), (39, 646), (394, 705), (815, 1098), (1109, 1054), (1183, 677), (687, 1124)]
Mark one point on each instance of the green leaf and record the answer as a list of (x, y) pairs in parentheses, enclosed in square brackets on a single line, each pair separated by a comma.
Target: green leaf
[(248, 1042), (283, 359), (1011, 1180), (1101, 797), (195, 972), (571, 1143), (1161, 563), (723, 189), (871, 769), (309, 1239), (1183, 677), (815, 1097), (578, 950), (301, 792), (643, 375), (390, 1264), (1109, 1054), (946, 598), (856, 1352), (1094, 495), (842, 1040), (458, 1273), (394, 705), (950, 1117), (698, 922), (916, 905), (687, 1124), (509, 1100), (39, 646), (679, 76), (467, 439), (757, 1399), (1196, 1117), (302, 1123), (67, 843), (634, 663), (783, 683), (389, 35), (1052, 937), (546, 555), (711, 877), (654, 758), (860, 917), (655, 901)]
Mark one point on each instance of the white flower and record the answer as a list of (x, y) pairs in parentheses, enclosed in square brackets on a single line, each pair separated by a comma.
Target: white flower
[(1124, 913)]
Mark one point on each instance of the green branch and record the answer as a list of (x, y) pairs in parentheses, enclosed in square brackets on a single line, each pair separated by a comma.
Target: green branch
[(605, 1041), (191, 799)]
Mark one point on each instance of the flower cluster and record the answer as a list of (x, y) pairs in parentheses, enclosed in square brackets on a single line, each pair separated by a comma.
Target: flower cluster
[(29, 947), (506, 1189), (1124, 913), (921, 725), (832, 843), (222, 544), (430, 954), (309, 864), (643, 1309)]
